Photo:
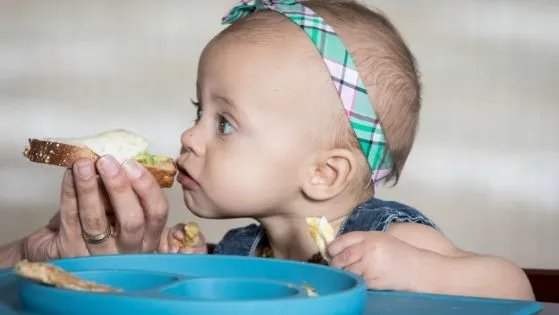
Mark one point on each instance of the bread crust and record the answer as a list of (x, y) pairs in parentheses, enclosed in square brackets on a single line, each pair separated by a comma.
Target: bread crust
[(65, 155)]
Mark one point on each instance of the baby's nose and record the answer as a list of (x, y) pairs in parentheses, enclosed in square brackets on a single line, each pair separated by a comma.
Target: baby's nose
[(192, 142)]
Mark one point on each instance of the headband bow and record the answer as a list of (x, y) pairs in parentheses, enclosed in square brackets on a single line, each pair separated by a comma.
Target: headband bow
[(345, 77)]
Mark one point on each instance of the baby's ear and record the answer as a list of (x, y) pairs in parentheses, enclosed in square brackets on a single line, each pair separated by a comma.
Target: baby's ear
[(330, 175)]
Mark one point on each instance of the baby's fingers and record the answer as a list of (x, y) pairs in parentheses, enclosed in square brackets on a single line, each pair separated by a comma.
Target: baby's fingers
[(349, 256), (345, 241), (177, 233), (186, 239), (359, 268), (193, 250), (187, 250)]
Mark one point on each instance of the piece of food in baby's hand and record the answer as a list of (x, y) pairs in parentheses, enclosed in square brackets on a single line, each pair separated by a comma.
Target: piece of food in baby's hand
[(322, 233), (53, 276), (191, 235)]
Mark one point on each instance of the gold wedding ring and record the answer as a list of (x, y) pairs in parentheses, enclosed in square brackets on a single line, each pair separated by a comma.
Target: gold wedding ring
[(97, 239)]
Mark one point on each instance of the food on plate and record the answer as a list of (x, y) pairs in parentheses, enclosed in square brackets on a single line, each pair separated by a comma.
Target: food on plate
[(322, 233), (191, 234), (121, 144), (310, 290), (50, 275)]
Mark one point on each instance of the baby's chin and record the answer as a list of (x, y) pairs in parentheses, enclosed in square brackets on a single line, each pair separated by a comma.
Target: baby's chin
[(206, 211)]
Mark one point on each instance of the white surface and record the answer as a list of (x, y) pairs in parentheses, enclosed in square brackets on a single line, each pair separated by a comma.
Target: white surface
[(485, 166)]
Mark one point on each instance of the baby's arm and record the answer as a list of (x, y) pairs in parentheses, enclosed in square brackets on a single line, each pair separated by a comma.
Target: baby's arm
[(442, 268), (184, 239)]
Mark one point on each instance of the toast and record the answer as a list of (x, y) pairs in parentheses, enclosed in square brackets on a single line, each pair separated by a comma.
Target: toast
[(120, 143), (56, 277)]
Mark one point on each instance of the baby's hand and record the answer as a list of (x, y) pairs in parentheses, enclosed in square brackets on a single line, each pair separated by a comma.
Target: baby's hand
[(184, 239), (385, 262)]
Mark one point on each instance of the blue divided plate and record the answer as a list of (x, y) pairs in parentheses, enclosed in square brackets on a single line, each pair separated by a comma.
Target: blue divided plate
[(197, 284), (200, 284)]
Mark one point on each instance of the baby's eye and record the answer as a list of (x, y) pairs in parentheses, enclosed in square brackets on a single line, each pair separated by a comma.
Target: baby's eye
[(224, 127)]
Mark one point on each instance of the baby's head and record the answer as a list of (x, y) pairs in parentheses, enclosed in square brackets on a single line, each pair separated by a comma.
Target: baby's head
[(272, 137)]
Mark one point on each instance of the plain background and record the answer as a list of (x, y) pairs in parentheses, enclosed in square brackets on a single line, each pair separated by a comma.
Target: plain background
[(485, 165)]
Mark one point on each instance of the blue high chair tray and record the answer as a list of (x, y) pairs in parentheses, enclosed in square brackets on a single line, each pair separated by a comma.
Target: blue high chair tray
[(214, 284)]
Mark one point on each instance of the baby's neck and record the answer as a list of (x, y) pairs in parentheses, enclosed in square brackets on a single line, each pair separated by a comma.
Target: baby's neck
[(288, 235), (288, 238)]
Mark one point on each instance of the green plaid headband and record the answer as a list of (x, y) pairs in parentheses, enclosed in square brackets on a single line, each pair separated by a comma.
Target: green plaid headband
[(349, 85)]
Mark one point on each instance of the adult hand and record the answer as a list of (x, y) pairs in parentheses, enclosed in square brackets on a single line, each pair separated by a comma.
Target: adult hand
[(126, 197)]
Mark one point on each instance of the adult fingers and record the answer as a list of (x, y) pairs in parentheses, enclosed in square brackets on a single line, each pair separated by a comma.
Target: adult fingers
[(105, 197), (68, 214), (65, 224), (153, 201), (40, 246), (90, 207), (54, 222), (127, 208)]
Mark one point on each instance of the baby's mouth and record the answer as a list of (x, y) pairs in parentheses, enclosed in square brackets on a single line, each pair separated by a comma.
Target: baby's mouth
[(186, 180)]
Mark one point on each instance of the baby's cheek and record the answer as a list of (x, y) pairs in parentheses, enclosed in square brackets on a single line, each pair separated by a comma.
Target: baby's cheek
[(245, 186)]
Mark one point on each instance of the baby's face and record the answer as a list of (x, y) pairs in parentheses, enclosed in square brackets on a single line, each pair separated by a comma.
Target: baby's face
[(251, 146)]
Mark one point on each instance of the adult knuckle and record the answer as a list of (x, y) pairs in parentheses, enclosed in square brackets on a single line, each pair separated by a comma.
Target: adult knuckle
[(158, 212), (145, 182), (87, 188), (132, 227), (118, 185), (92, 223), (69, 221), (68, 191), (67, 195)]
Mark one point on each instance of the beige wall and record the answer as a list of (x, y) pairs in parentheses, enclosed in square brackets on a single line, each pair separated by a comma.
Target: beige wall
[(486, 162)]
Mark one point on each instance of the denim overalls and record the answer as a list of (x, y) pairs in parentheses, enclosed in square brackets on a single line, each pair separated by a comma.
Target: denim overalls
[(373, 215)]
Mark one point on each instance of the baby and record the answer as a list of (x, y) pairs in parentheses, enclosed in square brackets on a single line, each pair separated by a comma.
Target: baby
[(285, 130)]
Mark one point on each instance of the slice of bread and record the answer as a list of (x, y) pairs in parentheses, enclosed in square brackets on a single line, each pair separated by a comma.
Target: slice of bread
[(65, 153), (54, 276)]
